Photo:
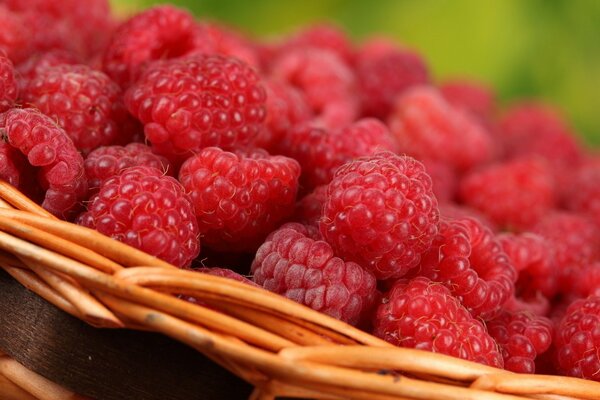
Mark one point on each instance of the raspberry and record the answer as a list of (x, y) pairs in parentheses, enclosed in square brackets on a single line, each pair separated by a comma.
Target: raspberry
[(427, 126), (577, 340), (106, 162), (424, 315), (149, 211), (584, 194), (384, 72), (576, 243), (286, 108), (514, 194), (309, 209), (191, 103), (521, 337), (211, 38), (472, 96), (300, 267), (15, 35), (325, 80), (321, 151), (322, 36), (46, 145), (10, 163), (467, 259), (538, 304), (381, 213), (8, 83), (158, 33), (444, 178), (239, 197), (29, 69), (587, 282), (85, 102), (456, 211)]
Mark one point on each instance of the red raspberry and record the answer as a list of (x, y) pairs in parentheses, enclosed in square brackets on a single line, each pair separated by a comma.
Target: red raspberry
[(15, 36), (322, 36), (10, 163), (310, 208), (321, 151), (466, 257), (325, 80), (384, 72), (514, 194), (577, 340), (85, 102), (381, 213), (576, 243), (584, 194), (427, 126), (211, 38), (521, 337), (538, 304), (444, 178), (587, 282), (28, 70), (424, 315), (106, 162), (239, 197), (191, 103), (456, 211), (149, 211), (286, 108), (8, 83), (158, 33), (300, 267), (47, 146), (472, 96)]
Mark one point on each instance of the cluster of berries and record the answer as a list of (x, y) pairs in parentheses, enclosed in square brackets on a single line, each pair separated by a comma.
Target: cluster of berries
[(341, 176)]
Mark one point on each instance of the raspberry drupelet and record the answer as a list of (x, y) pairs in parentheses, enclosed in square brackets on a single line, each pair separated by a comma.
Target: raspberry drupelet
[(239, 197), (381, 213), (424, 315), (85, 102), (8, 83), (296, 264), (149, 211), (199, 101), (310, 208), (466, 258)]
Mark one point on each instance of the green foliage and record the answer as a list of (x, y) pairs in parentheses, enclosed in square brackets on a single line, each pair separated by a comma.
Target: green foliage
[(547, 49)]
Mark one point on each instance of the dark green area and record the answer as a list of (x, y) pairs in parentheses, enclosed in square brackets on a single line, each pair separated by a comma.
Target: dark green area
[(548, 49)]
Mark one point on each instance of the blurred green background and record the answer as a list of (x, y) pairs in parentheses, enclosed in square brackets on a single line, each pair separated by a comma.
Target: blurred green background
[(549, 49)]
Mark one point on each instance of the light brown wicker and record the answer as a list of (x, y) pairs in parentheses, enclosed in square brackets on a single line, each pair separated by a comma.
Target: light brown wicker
[(282, 348)]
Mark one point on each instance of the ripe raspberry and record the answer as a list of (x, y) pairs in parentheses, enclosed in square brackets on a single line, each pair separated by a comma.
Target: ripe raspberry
[(158, 33), (212, 38), (466, 258), (191, 103), (321, 151), (381, 213), (588, 281), (427, 126), (577, 340), (522, 337), (239, 197), (47, 146), (149, 211), (10, 163), (325, 80), (15, 36), (310, 207), (576, 243), (34, 65), (321, 36), (456, 211), (106, 162), (537, 304), (286, 108), (300, 267), (424, 315), (514, 194), (8, 83), (472, 96), (584, 194), (384, 72), (444, 178), (85, 102)]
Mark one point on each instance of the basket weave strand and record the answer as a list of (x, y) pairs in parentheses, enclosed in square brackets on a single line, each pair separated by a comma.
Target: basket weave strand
[(283, 348)]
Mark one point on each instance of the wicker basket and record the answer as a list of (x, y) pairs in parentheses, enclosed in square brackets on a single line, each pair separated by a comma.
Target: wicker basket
[(282, 348)]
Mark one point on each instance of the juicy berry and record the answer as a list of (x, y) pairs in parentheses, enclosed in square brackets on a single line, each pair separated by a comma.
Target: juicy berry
[(8, 83)]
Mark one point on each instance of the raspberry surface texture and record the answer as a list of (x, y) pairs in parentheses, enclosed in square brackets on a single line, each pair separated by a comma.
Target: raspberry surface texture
[(149, 211), (106, 162), (472, 96), (521, 337), (577, 340), (239, 197), (15, 36), (584, 194), (514, 194), (300, 267), (444, 178), (8, 84), (424, 315), (85, 102), (381, 213), (201, 101), (30, 68), (466, 258), (310, 208), (48, 147), (427, 126)]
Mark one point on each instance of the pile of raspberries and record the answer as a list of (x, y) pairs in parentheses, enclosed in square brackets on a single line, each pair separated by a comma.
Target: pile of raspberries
[(340, 175)]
